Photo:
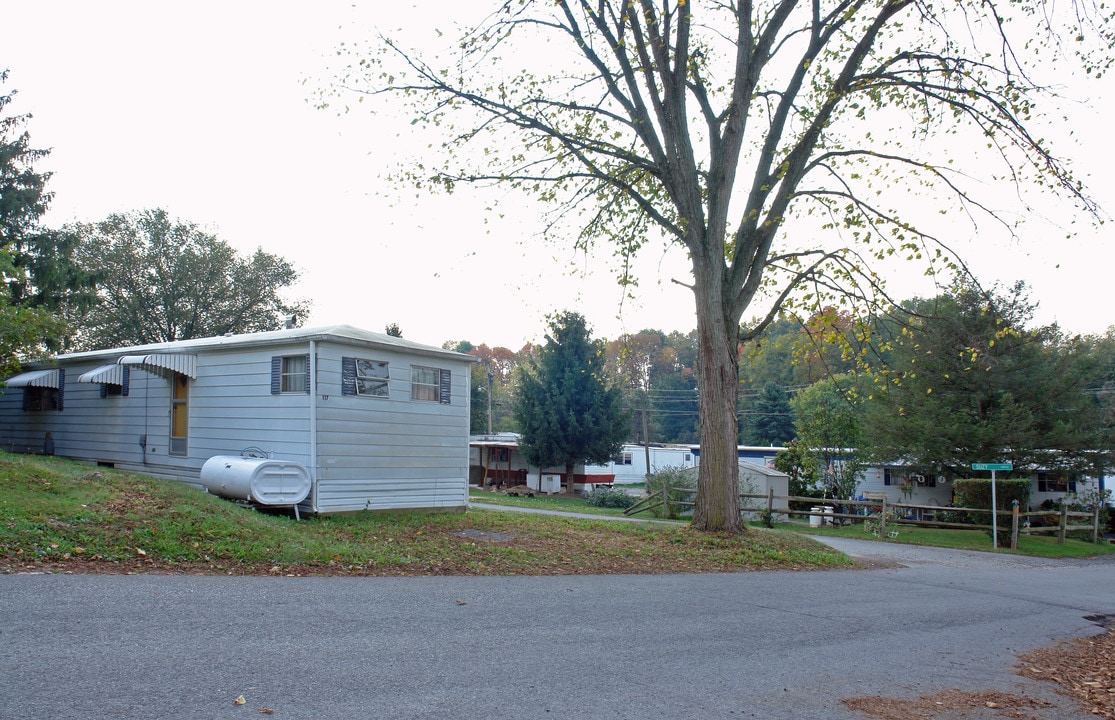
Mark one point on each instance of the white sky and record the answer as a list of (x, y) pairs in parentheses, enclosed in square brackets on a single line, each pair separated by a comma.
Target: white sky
[(205, 109)]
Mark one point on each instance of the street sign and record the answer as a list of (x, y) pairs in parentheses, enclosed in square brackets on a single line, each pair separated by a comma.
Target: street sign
[(994, 504)]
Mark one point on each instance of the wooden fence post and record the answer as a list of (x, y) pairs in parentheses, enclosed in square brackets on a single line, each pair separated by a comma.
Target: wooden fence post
[(1064, 523), (883, 519), (665, 498), (1096, 524), (1014, 525), (770, 507)]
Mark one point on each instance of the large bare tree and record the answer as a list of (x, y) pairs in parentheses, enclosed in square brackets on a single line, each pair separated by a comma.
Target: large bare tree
[(778, 141)]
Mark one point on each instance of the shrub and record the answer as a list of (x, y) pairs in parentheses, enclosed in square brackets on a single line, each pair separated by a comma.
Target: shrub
[(610, 498), (682, 483), (976, 493)]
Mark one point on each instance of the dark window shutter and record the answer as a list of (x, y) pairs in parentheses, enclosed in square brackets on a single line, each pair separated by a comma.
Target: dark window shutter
[(61, 387), (126, 380), (276, 374), (27, 394), (104, 390), (308, 372), (348, 376), (445, 393)]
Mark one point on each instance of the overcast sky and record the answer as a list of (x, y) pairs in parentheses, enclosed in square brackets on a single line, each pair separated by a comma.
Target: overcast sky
[(205, 109)]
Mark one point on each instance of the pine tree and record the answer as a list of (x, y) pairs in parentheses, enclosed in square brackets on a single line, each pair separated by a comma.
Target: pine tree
[(567, 413)]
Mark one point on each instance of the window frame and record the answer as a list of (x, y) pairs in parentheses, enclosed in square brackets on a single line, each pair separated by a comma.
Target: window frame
[(382, 381), (429, 388), (40, 399), (296, 377)]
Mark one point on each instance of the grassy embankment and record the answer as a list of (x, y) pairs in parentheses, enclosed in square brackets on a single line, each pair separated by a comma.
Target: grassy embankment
[(62, 516)]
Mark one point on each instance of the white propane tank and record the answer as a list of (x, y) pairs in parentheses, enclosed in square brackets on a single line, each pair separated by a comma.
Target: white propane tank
[(265, 481)]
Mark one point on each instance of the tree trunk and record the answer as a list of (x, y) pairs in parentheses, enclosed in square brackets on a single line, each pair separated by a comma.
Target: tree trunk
[(569, 479), (717, 504)]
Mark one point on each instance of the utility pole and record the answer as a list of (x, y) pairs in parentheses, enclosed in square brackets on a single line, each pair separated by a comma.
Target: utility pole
[(489, 401)]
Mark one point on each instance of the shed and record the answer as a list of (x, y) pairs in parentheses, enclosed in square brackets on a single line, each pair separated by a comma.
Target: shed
[(379, 422)]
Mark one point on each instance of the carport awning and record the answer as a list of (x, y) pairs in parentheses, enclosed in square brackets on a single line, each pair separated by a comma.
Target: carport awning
[(161, 363), (35, 378), (108, 374)]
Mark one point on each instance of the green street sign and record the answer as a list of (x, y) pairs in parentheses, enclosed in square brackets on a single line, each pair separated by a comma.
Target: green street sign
[(992, 466)]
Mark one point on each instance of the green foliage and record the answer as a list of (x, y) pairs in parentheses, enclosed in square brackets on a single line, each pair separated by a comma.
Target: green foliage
[(968, 381), (567, 412), (829, 424), (161, 280), (23, 195), (680, 483), (801, 464), (976, 493), (770, 419), (26, 332), (610, 498)]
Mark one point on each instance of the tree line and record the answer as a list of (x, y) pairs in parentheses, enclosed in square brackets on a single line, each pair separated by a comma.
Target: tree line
[(935, 385)]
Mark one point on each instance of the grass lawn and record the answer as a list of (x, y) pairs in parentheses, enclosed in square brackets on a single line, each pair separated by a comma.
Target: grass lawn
[(562, 503), (61, 516), (1038, 545)]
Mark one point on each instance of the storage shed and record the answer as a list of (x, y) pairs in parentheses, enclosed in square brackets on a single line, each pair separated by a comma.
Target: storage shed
[(379, 422)]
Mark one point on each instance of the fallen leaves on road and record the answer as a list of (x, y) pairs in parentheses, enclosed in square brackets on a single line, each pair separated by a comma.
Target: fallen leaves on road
[(949, 703), (1084, 668)]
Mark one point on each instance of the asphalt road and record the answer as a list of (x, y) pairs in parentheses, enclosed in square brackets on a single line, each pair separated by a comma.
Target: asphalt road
[(763, 645)]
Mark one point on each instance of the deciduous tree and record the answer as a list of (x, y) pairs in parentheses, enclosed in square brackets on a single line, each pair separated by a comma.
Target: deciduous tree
[(777, 141), (830, 426), (165, 279)]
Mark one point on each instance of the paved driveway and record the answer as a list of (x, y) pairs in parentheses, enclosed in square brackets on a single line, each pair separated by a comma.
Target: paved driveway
[(762, 645)]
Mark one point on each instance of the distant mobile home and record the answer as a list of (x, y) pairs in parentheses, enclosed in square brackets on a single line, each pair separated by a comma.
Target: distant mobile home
[(496, 462), (379, 422), (630, 465)]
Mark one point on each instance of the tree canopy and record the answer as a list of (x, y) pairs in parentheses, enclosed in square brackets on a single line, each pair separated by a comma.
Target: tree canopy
[(160, 279), (721, 126), (566, 410), (970, 381)]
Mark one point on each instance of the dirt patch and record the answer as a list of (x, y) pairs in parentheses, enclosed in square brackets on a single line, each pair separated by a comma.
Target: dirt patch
[(485, 535), (1082, 668)]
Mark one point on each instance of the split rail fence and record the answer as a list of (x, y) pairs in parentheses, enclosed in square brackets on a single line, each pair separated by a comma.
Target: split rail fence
[(882, 517)]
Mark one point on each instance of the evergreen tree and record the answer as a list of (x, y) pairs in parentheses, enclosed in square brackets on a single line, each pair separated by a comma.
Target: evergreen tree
[(24, 331), (970, 382), (566, 411), (770, 419)]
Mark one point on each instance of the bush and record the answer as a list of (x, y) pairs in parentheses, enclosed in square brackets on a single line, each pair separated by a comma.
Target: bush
[(976, 493), (1085, 499), (682, 483), (610, 498)]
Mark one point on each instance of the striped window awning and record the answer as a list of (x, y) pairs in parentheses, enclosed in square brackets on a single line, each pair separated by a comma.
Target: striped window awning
[(161, 364), (106, 374), (35, 378)]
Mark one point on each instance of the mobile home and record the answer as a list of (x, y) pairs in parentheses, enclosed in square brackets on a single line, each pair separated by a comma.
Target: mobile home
[(378, 422)]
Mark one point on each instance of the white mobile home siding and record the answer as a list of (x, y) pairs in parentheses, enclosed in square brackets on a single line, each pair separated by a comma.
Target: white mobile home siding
[(394, 452)]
